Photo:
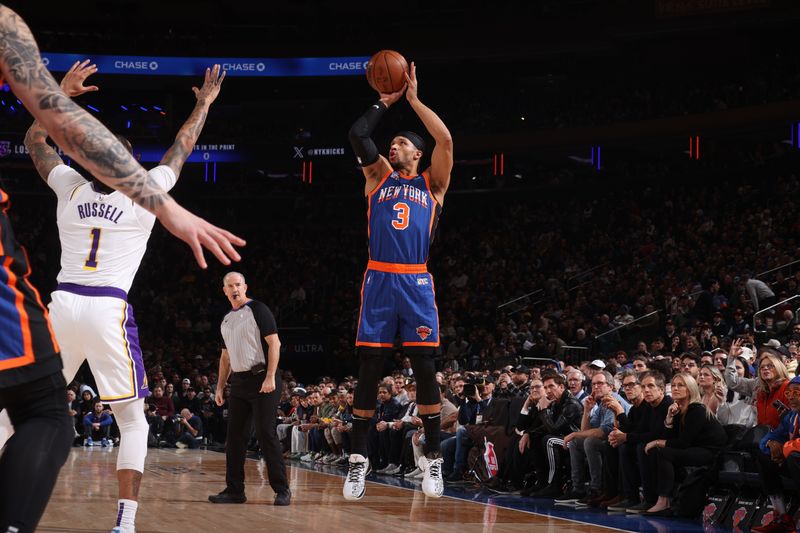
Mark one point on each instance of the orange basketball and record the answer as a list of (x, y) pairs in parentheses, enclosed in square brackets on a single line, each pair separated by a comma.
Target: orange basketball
[(386, 71)]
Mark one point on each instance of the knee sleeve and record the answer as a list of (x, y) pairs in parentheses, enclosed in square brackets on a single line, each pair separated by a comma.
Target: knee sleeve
[(369, 373), (133, 430), (425, 375)]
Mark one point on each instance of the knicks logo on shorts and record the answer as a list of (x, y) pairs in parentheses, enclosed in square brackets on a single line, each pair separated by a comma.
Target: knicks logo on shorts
[(422, 281), (424, 332)]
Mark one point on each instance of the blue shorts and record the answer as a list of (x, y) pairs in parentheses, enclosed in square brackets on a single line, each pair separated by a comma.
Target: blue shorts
[(390, 301)]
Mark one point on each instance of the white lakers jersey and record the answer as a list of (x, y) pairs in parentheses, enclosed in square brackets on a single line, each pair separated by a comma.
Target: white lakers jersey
[(103, 236)]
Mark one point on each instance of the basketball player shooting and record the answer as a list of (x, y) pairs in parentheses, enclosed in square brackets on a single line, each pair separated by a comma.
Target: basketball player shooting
[(403, 206), (103, 238)]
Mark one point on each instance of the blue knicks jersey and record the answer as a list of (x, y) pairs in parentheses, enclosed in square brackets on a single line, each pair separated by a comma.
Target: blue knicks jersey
[(28, 348), (401, 215)]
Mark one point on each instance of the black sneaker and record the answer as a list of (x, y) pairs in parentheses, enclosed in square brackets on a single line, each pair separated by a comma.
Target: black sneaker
[(227, 497), (571, 497), (283, 498), (623, 505), (550, 491)]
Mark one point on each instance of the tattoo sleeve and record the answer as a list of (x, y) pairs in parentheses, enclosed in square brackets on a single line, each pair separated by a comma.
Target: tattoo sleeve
[(187, 137), (44, 157), (78, 133)]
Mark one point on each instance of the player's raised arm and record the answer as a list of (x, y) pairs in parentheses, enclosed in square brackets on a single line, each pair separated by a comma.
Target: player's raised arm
[(372, 163), (87, 141), (187, 136), (442, 155), (44, 157)]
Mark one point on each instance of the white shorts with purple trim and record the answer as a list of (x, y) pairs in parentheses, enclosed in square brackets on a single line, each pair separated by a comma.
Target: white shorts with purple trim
[(96, 324)]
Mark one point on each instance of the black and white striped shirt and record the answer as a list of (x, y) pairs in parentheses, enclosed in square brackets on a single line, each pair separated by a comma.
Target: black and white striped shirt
[(243, 332)]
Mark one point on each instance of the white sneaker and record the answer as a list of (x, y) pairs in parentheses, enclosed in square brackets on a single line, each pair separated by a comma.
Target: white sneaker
[(432, 482), (355, 483), (181, 445), (308, 457)]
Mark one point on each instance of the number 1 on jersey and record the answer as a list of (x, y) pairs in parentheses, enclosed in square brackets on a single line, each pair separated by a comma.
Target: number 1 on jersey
[(91, 261), (401, 222)]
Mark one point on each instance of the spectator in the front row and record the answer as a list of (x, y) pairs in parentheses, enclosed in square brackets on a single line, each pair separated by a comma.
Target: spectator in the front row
[(638, 468), (586, 445), (190, 430), (520, 384), (161, 411), (626, 423), (387, 411), (780, 455), (74, 410), (97, 424), (527, 432), (559, 414), (694, 437)]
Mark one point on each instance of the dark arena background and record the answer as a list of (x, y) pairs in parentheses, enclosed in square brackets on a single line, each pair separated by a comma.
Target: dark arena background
[(625, 189)]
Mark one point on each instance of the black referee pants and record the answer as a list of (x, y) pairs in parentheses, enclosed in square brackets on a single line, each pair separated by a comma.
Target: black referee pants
[(246, 403), (36, 452)]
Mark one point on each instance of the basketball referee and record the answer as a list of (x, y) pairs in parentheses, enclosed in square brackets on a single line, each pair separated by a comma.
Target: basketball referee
[(250, 358)]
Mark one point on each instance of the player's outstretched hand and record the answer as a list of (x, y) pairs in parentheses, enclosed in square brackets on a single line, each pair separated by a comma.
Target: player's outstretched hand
[(198, 233), (411, 83), (211, 85), (72, 83)]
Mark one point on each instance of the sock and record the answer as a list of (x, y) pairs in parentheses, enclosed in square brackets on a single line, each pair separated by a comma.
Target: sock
[(126, 516), (359, 436), (778, 504), (432, 425)]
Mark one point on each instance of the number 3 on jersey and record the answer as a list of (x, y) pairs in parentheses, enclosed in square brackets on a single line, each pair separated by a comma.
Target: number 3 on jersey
[(401, 222), (91, 261)]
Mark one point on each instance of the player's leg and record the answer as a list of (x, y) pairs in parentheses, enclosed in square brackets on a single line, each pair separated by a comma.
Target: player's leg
[(133, 430), (377, 327), (364, 399), (419, 331), (35, 453), (115, 359), (66, 310)]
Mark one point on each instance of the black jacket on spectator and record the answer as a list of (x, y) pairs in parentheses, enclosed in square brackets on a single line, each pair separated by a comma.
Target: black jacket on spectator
[(388, 411), (650, 424), (630, 421), (696, 430), (496, 413), (563, 416)]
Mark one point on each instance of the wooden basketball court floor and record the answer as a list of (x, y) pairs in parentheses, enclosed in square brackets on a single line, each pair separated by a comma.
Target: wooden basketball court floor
[(176, 485)]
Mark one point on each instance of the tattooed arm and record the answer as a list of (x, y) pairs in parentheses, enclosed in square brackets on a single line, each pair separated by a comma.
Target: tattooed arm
[(87, 141), (44, 157), (187, 136)]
